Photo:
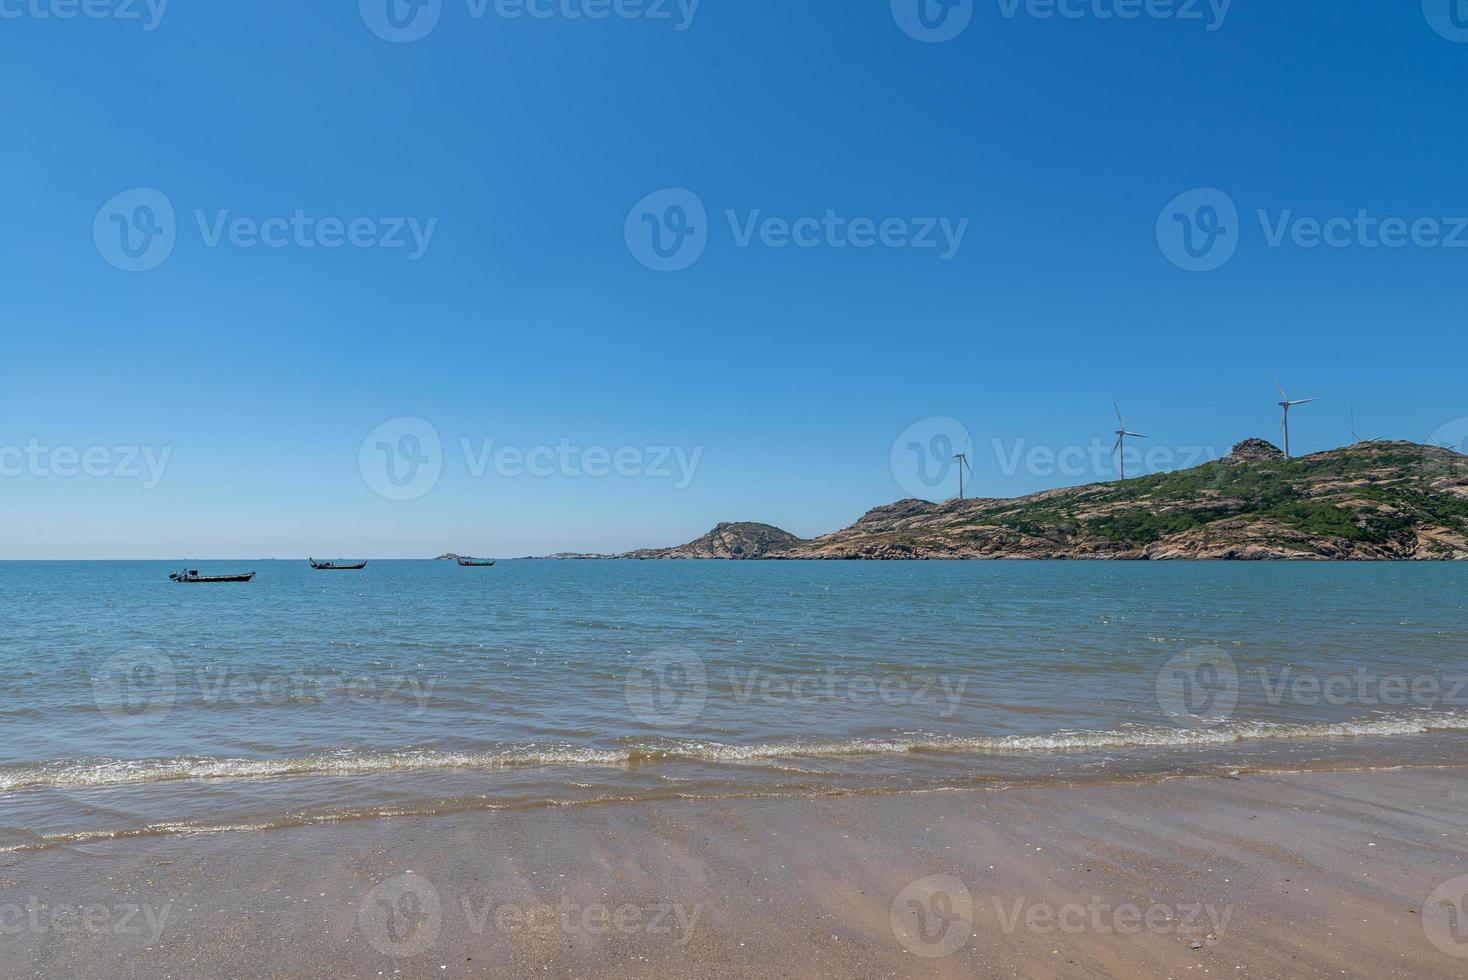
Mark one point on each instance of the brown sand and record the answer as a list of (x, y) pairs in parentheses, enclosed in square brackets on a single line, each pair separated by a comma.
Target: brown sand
[(1301, 875)]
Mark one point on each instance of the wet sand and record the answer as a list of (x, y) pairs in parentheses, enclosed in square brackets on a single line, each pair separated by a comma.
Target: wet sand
[(1297, 875)]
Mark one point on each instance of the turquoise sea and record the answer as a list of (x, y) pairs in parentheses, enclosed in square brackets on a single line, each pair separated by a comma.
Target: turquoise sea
[(134, 705)]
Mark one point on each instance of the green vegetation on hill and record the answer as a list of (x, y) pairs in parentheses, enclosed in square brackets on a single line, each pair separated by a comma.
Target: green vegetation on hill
[(1385, 500), (1367, 500), (1389, 495)]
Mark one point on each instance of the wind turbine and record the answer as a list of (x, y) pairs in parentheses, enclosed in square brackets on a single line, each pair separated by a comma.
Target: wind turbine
[(1356, 435), (1121, 434), (1286, 404), (962, 462)]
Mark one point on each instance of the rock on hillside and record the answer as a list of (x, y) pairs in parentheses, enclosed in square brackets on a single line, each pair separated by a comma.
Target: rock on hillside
[(732, 541), (1254, 449)]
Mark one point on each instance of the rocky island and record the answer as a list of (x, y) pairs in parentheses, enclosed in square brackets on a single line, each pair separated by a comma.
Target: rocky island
[(1369, 501)]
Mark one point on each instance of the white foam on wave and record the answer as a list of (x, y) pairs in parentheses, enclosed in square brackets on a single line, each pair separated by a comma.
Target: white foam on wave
[(120, 772)]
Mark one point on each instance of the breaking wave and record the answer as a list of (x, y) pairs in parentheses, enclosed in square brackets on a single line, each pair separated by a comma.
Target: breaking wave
[(122, 772)]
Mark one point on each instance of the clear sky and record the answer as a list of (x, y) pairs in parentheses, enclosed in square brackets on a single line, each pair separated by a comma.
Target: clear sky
[(534, 307)]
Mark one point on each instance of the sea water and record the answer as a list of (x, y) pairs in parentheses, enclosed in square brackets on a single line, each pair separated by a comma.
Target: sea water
[(134, 705)]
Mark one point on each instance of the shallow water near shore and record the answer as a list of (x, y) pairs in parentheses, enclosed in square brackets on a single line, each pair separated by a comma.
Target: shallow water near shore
[(142, 706)]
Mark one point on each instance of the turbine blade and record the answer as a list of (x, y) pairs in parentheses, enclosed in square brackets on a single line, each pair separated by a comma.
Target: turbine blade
[(1281, 389), (1117, 447), (1139, 435), (1303, 401), (1118, 415)]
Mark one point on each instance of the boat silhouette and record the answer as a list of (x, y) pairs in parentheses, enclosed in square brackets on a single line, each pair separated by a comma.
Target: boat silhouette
[(192, 575)]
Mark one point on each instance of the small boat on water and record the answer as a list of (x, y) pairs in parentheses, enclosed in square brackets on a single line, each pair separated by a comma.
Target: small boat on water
[(337, 566), (192, 575), (476, 562)]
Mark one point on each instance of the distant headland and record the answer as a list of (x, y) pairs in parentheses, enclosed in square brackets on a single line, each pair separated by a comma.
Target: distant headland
[(1371, 501)]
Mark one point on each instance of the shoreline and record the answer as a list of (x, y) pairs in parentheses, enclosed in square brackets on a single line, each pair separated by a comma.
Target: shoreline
[(275, 795), (1282, 874)]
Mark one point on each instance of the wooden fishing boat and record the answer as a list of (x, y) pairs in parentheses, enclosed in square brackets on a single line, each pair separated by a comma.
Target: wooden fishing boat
[(476, 562), (192, 575), (337, 566)]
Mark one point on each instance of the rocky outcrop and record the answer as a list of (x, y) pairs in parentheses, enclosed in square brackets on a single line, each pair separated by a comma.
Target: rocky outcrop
[(742, 541), (1254, 449)]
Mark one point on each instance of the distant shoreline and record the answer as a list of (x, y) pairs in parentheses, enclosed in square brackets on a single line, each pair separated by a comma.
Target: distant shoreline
[(1371, 501)]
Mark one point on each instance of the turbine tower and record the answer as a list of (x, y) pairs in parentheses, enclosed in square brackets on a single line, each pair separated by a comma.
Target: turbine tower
[(1356, 435), (1286, 404), (962, 462), (1121, 434)]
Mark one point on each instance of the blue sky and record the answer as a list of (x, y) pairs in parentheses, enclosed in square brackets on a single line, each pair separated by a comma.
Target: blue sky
[(531, 316)]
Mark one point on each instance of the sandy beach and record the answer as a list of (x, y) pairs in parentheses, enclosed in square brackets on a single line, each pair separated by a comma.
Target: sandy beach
[(1267, 875)]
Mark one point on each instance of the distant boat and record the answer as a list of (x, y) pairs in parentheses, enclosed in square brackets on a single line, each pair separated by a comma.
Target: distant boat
[(192, 575), (335, 566), (476, 562)]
